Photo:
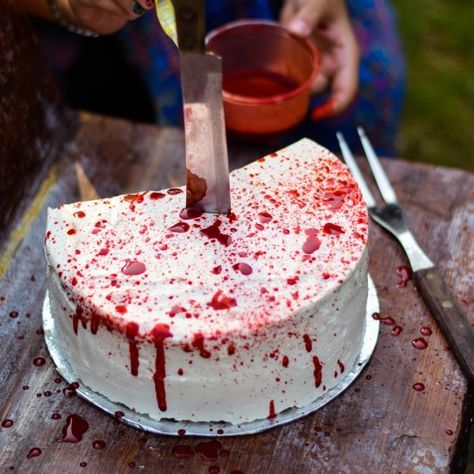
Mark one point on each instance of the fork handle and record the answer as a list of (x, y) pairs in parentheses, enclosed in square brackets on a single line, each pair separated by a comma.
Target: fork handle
[(453, 322)]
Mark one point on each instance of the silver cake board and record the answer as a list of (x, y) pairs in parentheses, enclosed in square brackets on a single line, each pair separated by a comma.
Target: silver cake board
[(176, 428)]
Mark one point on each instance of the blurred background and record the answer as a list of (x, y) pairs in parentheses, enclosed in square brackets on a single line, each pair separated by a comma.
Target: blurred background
[(438, 117), (438, 120)]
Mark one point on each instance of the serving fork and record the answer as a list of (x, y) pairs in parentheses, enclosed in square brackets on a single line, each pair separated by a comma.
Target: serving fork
[(447, 313)]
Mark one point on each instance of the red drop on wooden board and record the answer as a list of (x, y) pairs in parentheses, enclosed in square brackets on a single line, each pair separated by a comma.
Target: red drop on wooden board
[(208, 450), (419, 343), (74, 429), (34, 453)]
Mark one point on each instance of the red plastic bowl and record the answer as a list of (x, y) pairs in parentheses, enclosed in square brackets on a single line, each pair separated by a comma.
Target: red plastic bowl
[(267, 74)]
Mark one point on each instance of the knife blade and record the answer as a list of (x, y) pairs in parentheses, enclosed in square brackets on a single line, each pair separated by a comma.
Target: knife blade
[(207, 168)]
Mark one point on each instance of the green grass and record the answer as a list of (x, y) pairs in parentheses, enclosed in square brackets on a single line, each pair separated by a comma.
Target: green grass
[(438, 122)]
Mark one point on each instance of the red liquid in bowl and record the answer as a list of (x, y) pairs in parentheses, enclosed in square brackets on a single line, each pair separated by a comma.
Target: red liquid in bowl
[(267, 74), (256, 83)]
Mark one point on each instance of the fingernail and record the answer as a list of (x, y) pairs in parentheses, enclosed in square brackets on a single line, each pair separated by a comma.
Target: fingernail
[(138, 9), (323, 111), (300, 27)]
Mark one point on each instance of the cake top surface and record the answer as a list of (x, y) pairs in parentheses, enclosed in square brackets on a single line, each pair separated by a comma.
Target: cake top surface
[(298, 228)]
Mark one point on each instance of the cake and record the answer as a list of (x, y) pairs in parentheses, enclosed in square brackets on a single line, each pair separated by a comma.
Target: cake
[(190, 316)]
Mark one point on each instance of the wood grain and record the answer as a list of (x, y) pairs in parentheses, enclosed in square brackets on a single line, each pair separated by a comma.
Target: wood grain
[(450, 318), (380, 424)]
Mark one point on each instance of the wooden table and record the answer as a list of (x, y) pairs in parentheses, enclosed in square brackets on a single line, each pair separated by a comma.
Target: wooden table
[(380, 424)]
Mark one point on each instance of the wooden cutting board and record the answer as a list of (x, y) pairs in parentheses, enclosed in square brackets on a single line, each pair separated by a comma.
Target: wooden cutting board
[(408, 411)]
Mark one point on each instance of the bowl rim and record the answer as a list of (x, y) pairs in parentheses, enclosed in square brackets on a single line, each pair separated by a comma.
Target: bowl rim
[(313, 50)]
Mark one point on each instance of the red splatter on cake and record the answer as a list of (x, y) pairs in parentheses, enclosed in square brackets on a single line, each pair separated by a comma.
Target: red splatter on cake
[(202, 317)]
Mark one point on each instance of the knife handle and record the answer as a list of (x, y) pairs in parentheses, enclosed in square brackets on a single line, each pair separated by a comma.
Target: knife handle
[(453, 322), (190, 24)]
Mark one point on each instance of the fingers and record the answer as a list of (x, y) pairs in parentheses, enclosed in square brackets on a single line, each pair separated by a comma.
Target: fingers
[(341, 68), (326, 72), (328, 22), (320, 84), (124, 9), (132, 9), (287, 12), (346, 79), (104, 16), (301, 18), (139, 7)]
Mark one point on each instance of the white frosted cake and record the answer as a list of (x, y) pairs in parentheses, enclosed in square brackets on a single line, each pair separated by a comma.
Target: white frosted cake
[(190, 316)]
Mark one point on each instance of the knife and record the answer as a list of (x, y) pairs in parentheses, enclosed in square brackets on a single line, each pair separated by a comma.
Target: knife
[(207, 167)]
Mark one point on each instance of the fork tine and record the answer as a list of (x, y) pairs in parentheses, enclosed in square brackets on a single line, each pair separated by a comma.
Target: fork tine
[(383, 183), (355, 170)]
